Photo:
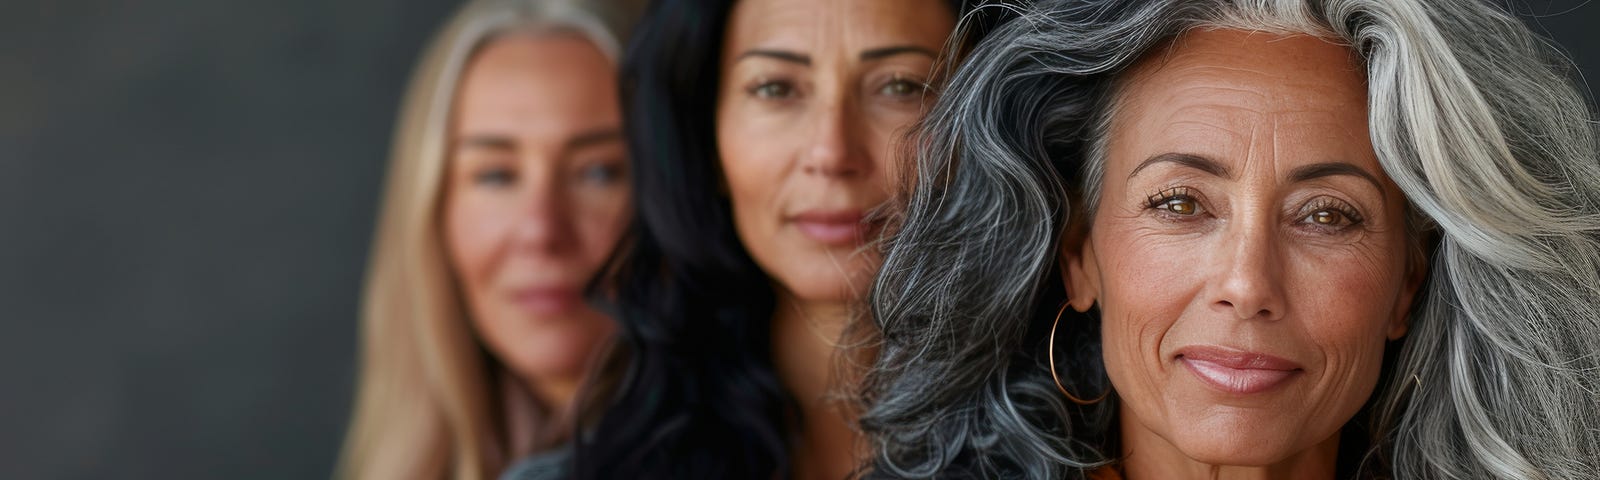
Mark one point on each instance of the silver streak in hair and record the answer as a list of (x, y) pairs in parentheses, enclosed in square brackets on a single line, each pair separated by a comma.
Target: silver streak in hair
[(1470, 114)]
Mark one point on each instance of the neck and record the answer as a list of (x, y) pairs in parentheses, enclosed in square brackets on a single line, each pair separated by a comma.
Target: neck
[(805, 337), (1147, 455), (535, 412), (556, 394)]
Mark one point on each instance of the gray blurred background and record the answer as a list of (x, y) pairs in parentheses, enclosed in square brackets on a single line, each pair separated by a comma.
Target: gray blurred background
[(187, 190)]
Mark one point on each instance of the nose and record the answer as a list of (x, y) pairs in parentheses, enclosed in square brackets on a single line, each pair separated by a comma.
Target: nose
[(835, 149), (1250, 283), (543, 223)]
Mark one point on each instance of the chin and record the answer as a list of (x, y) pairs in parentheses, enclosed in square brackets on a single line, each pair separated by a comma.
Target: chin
[(560, 350), (552, 358), (820, 278), (1225, 455), (1245, 448), (828, 290)]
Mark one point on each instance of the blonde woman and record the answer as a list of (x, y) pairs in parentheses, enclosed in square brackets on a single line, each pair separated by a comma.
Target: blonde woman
[(507, 190)]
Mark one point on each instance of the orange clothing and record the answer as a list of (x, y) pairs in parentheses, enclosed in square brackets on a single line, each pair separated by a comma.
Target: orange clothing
[(1107, 472)]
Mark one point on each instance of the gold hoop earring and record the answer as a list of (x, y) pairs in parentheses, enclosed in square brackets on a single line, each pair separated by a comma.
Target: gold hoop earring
[(1057, 378)]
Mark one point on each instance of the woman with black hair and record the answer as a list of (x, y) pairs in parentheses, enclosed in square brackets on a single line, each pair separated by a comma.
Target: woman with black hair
[(762, 133)]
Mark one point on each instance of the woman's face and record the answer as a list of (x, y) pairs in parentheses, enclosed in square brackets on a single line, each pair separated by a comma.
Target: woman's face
[(813, 95), (1248, 254), (536, 196)]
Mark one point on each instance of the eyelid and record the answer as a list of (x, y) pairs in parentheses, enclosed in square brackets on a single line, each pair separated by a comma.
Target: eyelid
[(494, 175), (1324, 202), (1166, 194), (602, 173), (753, 87), (1160, 203), (877, 83)]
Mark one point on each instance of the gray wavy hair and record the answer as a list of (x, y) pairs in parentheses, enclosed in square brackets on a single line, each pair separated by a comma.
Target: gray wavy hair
[(1471, 115)]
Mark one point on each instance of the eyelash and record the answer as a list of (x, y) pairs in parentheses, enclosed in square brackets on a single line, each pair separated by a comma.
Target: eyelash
[(494, 177), (762, 89), (602, 174), (598, 174), (1165, 200), (783, 89), (1326, 204), (915, 90)]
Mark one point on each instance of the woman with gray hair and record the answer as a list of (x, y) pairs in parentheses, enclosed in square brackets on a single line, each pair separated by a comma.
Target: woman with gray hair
[(1300, 239)]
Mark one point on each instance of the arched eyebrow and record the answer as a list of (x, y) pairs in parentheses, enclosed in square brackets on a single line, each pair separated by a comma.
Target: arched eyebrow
[(598, 136), (782, 55), (1302, 173), (1328, 169), (885, 52), (866, 55), (1197, 162)]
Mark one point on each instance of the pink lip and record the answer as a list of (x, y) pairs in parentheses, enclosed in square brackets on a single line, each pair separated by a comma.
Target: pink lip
[(831, 227), (1235, 371), (548, 300)]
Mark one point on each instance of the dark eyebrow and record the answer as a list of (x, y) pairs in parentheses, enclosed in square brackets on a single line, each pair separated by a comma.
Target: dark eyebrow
[(595, 137), (885, 52), (783, 55), (1319, 170), (489, 141), (1188, 160)]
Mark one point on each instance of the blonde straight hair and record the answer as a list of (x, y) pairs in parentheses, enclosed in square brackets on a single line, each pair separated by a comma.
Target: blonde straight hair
[(428, 401)]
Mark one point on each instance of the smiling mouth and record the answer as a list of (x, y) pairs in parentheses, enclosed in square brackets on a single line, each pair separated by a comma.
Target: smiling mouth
[(1237, 372)]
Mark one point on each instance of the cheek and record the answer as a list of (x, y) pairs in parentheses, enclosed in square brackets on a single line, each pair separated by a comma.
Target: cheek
[(1146, 275), (1356, 288), (1349, 300), (753, 170), (600, 217), (884, 144), (475, 228), (1352, 346), (1143, 293), (1353, 355)]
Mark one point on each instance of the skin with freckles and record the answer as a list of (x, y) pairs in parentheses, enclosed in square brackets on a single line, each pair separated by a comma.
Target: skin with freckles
[(1248, 257), (812, 97), (536, 197)]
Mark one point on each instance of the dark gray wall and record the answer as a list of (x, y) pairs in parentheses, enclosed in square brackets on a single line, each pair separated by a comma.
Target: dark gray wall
[(187, 191)]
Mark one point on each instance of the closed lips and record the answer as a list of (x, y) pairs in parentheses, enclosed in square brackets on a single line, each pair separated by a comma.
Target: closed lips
[(548, 300), (1235, 371), (834, 227)]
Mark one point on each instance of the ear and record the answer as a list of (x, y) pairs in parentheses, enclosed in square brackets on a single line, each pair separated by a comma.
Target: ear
[(1080, 270), (1400, 318)]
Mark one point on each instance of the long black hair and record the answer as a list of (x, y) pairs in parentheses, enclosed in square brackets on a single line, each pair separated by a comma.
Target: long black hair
[(698, 396)]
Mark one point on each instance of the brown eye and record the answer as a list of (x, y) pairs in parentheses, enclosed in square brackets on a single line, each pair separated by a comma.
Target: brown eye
[(1330, 216), (1180, 206), (1327, 218), (772, 90), (900, 87), (1176, 201)]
